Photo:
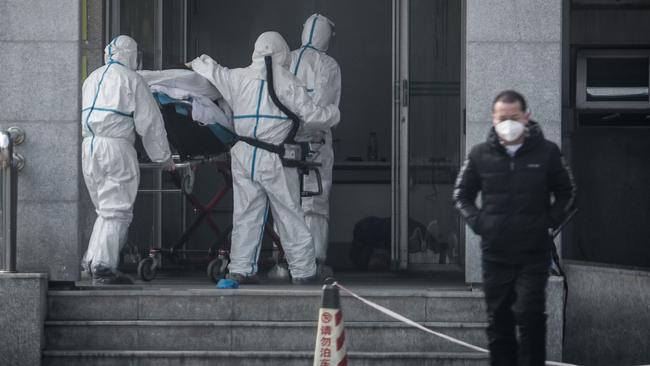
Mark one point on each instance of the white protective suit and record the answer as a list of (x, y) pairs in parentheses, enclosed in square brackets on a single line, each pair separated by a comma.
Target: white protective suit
[(260, 181), (322, 76), (116, 103)]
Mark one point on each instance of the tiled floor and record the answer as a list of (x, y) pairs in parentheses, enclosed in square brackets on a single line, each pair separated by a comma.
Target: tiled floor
[(376, 282)]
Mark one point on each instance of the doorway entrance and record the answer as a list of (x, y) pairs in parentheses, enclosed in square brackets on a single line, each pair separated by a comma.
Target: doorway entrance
[(398, 146)]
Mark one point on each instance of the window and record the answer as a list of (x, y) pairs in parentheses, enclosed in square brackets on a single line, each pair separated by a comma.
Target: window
[(613, 79)]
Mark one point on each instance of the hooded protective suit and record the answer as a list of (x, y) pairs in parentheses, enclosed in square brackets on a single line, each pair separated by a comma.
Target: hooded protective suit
[(322, 76), (116, 103), (260, 181)]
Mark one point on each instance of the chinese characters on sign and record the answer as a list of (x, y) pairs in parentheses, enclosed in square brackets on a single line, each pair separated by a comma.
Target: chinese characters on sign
[(325, 338)]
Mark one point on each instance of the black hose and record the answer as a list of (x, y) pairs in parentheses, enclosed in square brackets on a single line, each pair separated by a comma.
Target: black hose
[(556, 260), (290, 139), (271, 88)]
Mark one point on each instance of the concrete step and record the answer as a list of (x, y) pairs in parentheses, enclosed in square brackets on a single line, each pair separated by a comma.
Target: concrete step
[(262, 305), (210, 358), (252, 336)]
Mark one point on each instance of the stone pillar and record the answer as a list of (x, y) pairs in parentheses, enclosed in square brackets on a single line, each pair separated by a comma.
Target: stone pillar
[(40, 92), (22, 308), (511, 44), (92, 57)]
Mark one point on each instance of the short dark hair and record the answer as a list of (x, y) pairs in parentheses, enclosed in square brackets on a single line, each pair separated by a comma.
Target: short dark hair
[(511, 96)]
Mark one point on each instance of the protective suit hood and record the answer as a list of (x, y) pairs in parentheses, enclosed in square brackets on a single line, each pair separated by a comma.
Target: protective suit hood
[(124, 50), (272, 44), (317, 32)]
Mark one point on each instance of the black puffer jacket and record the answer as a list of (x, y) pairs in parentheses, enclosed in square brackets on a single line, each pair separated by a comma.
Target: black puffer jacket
[(516, 210)]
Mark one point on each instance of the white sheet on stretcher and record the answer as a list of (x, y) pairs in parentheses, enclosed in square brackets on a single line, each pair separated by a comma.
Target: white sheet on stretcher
[(188, 85)]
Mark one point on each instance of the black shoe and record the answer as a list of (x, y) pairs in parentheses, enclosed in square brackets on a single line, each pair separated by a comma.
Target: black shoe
[(243, 279), (108, 277), (311, 280)]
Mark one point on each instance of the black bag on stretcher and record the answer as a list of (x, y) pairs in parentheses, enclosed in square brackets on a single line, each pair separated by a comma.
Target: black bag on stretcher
[(191, 139), (293, 154)]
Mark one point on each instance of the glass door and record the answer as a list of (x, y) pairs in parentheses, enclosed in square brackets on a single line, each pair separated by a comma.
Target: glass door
[(159, 27), (427, 128), (399, 158)]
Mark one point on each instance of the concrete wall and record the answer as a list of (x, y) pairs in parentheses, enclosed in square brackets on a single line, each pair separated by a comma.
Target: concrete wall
[(608, 315), (22, 317), (511, 44), (39, 92)]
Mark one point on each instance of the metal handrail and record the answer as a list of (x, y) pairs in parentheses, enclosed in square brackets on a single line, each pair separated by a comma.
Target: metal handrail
[(10, 164), (188, 163)]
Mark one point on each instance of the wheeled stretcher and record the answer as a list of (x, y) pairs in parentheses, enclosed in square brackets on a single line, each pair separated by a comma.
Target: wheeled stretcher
[(197, 147), (197, 144)]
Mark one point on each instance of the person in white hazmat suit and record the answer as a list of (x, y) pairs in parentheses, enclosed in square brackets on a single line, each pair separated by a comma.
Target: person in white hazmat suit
[(116, 103), (260, 181), (322, 76)]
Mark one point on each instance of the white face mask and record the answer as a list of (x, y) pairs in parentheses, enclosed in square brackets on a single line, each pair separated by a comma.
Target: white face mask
[(509, 130)]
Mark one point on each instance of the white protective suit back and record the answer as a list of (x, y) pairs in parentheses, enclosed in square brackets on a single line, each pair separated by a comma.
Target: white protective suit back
[(319, 72), (116, 103)]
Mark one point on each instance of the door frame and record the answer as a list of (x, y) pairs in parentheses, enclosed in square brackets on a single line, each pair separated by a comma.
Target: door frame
[(112, 28), (400, 131), (400, 141)]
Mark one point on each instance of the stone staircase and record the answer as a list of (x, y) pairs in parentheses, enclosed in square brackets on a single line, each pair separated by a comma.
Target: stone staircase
[(254, 326)]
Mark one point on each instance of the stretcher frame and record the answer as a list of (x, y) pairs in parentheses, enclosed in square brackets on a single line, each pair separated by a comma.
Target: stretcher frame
[(182, 177), (217, 255)]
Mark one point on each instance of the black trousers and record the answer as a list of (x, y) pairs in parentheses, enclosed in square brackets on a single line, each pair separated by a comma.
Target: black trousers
[(516, 297)]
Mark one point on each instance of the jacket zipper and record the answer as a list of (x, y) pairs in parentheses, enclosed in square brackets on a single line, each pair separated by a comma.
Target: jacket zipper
[(510, 181)]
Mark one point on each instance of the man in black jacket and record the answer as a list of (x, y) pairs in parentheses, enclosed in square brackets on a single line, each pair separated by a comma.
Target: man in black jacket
[(517, 172)]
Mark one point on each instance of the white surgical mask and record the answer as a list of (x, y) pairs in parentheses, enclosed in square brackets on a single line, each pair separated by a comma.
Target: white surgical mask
[(509, 130)]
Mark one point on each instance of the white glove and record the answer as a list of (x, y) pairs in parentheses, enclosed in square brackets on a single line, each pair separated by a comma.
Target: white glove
[(168, 165)]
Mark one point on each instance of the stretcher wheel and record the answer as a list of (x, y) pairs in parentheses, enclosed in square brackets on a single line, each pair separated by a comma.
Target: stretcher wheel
[(217, 269), (187, 181), (147, 269)]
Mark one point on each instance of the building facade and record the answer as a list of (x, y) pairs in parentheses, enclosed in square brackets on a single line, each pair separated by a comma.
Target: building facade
[(582, 64)]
